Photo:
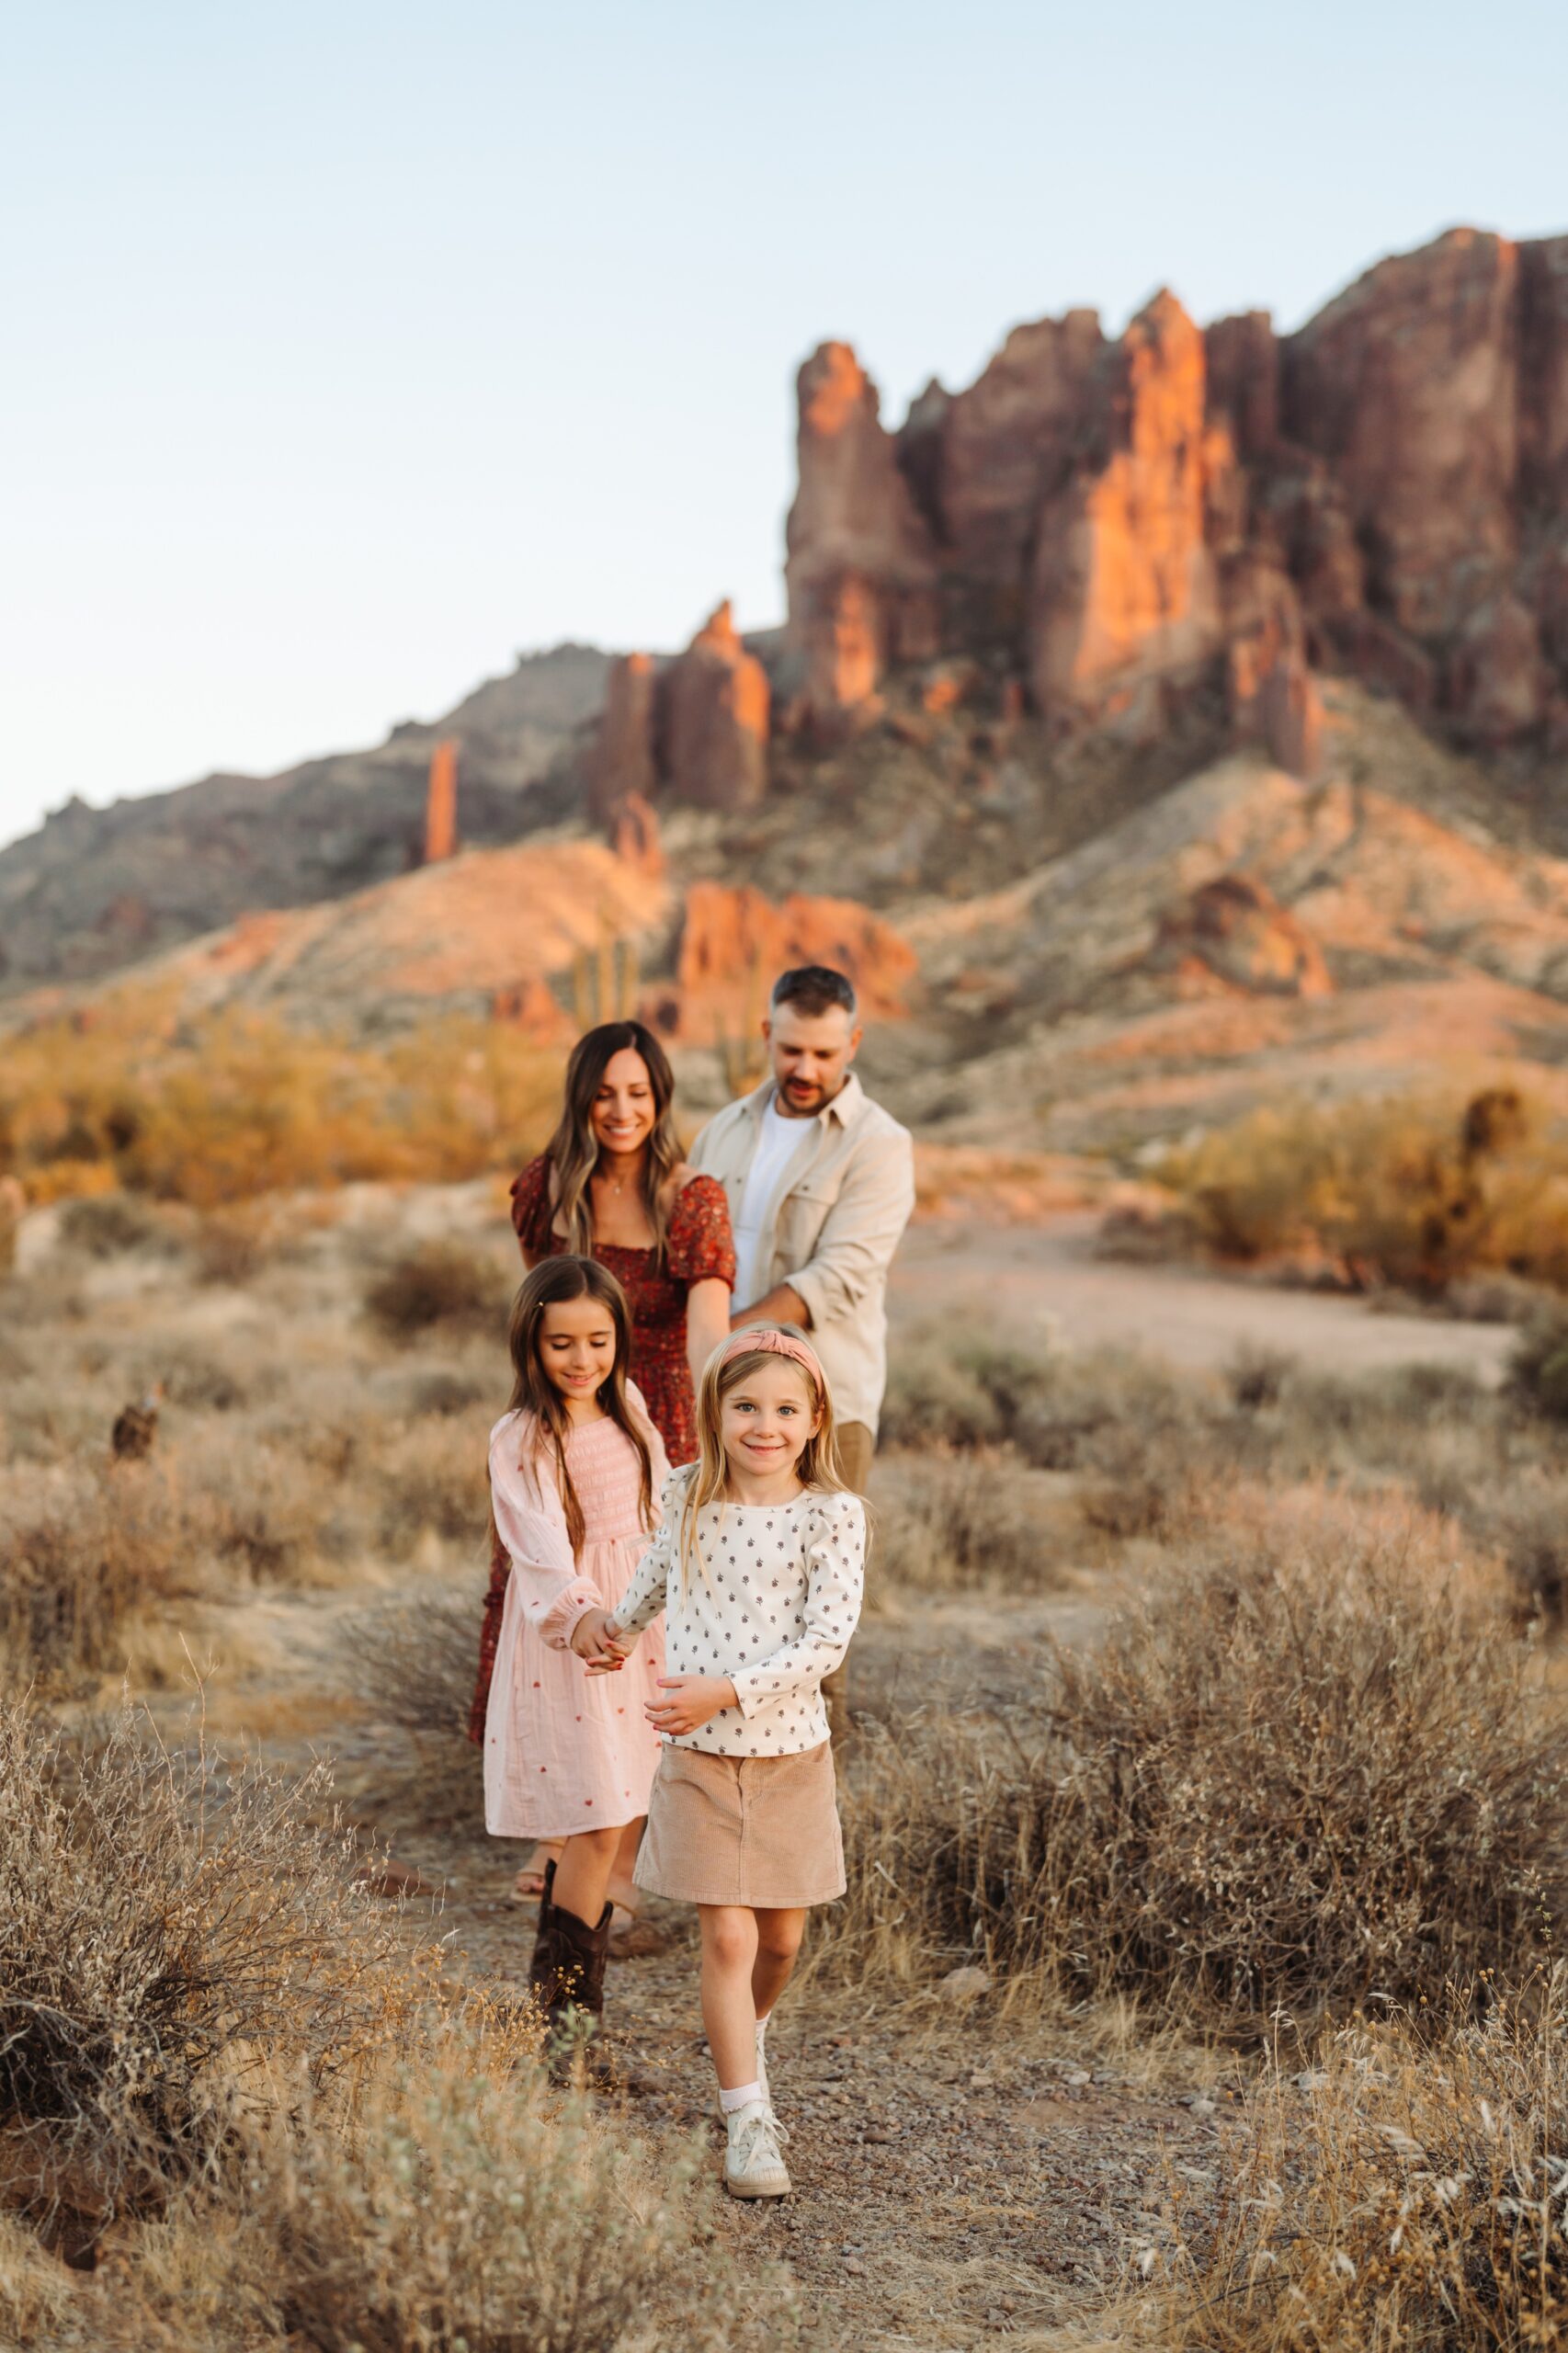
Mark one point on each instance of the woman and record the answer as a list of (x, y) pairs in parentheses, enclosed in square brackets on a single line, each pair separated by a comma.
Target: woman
[(611, 1185)]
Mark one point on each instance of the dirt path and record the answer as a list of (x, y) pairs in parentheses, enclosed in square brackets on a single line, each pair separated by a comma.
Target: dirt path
[(951, 2184), (1029, 1274)]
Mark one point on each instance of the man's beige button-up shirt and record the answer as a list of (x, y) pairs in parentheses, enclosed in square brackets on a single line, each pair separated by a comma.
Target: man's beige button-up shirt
[(839, 1206)]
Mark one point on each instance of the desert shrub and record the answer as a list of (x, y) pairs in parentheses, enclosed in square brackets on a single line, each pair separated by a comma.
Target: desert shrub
[(412, 1660), (1415, 1190), (951, 1521), (109, 1224), (1401, 2195), (1530, 1526), (936, 1395), (225, 1106), (230, 1247), (436, 1283), (446, 1390), (83, 1548), (1256, 1376), (1537, 1369), (162, 1923), (267, 1516), (197, 1379), (434, 1476), (1056, 1404), (455, 2208), (1313, 1766)]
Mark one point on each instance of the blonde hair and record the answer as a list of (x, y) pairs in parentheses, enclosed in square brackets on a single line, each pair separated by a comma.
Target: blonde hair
[(707, 1479)]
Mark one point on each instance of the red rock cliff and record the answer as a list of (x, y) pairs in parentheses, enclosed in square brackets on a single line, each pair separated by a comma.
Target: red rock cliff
[(860, 572), (1385, 492)]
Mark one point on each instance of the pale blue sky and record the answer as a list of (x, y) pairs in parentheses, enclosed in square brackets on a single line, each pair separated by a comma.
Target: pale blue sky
[(352, 347)]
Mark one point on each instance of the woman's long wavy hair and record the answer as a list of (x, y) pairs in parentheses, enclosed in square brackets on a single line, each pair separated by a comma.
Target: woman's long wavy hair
[(709, 1481), (554, 1282), (573, 1150)]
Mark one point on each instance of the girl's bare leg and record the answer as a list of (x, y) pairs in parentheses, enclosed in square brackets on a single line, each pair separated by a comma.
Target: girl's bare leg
[(621, 1890), (728, 2011), (581, 1876), (779, 1935)]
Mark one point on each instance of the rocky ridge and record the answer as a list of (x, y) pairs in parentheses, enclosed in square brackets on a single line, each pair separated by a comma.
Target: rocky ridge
[(1383, 494)]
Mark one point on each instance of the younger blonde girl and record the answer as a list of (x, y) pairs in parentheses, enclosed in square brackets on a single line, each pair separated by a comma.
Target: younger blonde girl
[(758, 1566)]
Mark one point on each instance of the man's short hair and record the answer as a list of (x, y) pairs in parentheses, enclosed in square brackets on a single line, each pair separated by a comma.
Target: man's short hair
[(813, 988)]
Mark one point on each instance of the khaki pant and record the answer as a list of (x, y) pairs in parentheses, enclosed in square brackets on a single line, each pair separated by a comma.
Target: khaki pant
[(856, 1447)]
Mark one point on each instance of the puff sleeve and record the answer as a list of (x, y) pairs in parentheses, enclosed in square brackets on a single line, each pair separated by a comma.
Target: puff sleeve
[(700, 1246)]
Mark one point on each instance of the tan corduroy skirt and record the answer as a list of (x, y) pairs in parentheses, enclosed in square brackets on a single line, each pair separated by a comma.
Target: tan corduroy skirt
[(755, 1830)]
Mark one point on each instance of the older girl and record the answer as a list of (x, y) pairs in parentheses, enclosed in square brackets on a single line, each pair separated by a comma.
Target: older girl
[(759, 1565), (611, 1185), (574, 1467)]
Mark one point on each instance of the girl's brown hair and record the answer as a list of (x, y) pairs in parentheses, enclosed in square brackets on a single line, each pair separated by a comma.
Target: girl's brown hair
[(573, 1150), (709, 1480), (554, 1283)]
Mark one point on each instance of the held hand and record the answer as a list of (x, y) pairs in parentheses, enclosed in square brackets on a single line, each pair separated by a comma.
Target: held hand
[(590, 1640), (692, 1699)]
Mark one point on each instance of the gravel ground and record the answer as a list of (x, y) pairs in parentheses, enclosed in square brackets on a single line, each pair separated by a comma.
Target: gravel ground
[(956, 2176)]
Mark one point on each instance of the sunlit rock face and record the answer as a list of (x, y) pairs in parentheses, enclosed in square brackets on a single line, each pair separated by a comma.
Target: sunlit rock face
[(713, 720), (860, 571), (695, 731), (1383, 493), (1125, 586)]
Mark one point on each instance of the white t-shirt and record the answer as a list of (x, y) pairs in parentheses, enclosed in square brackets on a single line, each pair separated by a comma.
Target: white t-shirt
[(778, 1141)]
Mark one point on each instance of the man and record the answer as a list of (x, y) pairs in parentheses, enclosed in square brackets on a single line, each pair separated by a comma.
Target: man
[(821, 1183)]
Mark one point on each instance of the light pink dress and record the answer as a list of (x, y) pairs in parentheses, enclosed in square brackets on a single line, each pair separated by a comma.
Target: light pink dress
[(566, 1750)]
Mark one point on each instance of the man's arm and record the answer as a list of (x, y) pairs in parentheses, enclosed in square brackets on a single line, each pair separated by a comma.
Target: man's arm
[(860, 1233), (783, 1305)]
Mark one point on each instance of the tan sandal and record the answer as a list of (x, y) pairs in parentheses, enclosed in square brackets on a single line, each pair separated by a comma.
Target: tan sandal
[(528, 1886)]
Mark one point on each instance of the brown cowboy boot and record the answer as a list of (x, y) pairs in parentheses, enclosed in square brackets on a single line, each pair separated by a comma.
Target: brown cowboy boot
[(567, 1971)]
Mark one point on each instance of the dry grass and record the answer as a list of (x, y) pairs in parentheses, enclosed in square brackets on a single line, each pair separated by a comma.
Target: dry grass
[(1401, 2195), (1314, 1765), (456, 2207), (164, 1922), (950, 1521), (84, 1549), (413, 1661), (221, 2071), (1415, 1190)]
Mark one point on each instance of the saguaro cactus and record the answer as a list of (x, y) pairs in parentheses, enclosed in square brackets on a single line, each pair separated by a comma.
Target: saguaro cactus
[(605, 982)]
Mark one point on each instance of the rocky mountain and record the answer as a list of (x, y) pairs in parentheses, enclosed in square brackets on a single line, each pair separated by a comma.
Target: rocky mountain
[(96, 889), (1169, 717)]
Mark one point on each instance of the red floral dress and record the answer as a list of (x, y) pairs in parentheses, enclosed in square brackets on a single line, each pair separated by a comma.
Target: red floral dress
[(698, 1247)]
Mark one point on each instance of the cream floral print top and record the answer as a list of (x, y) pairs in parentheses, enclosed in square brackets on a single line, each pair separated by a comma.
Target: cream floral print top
[(771, 1603)]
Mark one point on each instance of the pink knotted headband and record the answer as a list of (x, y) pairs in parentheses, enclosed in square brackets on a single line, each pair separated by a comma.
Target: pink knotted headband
[(774, 1343)]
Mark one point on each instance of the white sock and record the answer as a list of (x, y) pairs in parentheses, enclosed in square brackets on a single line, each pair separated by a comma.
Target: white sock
[(742, 2096), (762, 2030)]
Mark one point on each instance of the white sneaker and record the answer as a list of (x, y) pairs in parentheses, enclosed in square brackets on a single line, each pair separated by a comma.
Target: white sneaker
[(754, 2165)]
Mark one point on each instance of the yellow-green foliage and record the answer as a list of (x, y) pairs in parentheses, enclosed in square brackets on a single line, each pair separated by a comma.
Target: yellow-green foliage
[(238, 1104), (1413, 1190)]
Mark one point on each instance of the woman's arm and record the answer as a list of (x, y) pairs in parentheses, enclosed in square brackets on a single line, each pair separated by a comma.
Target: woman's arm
[(707, 1323)]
